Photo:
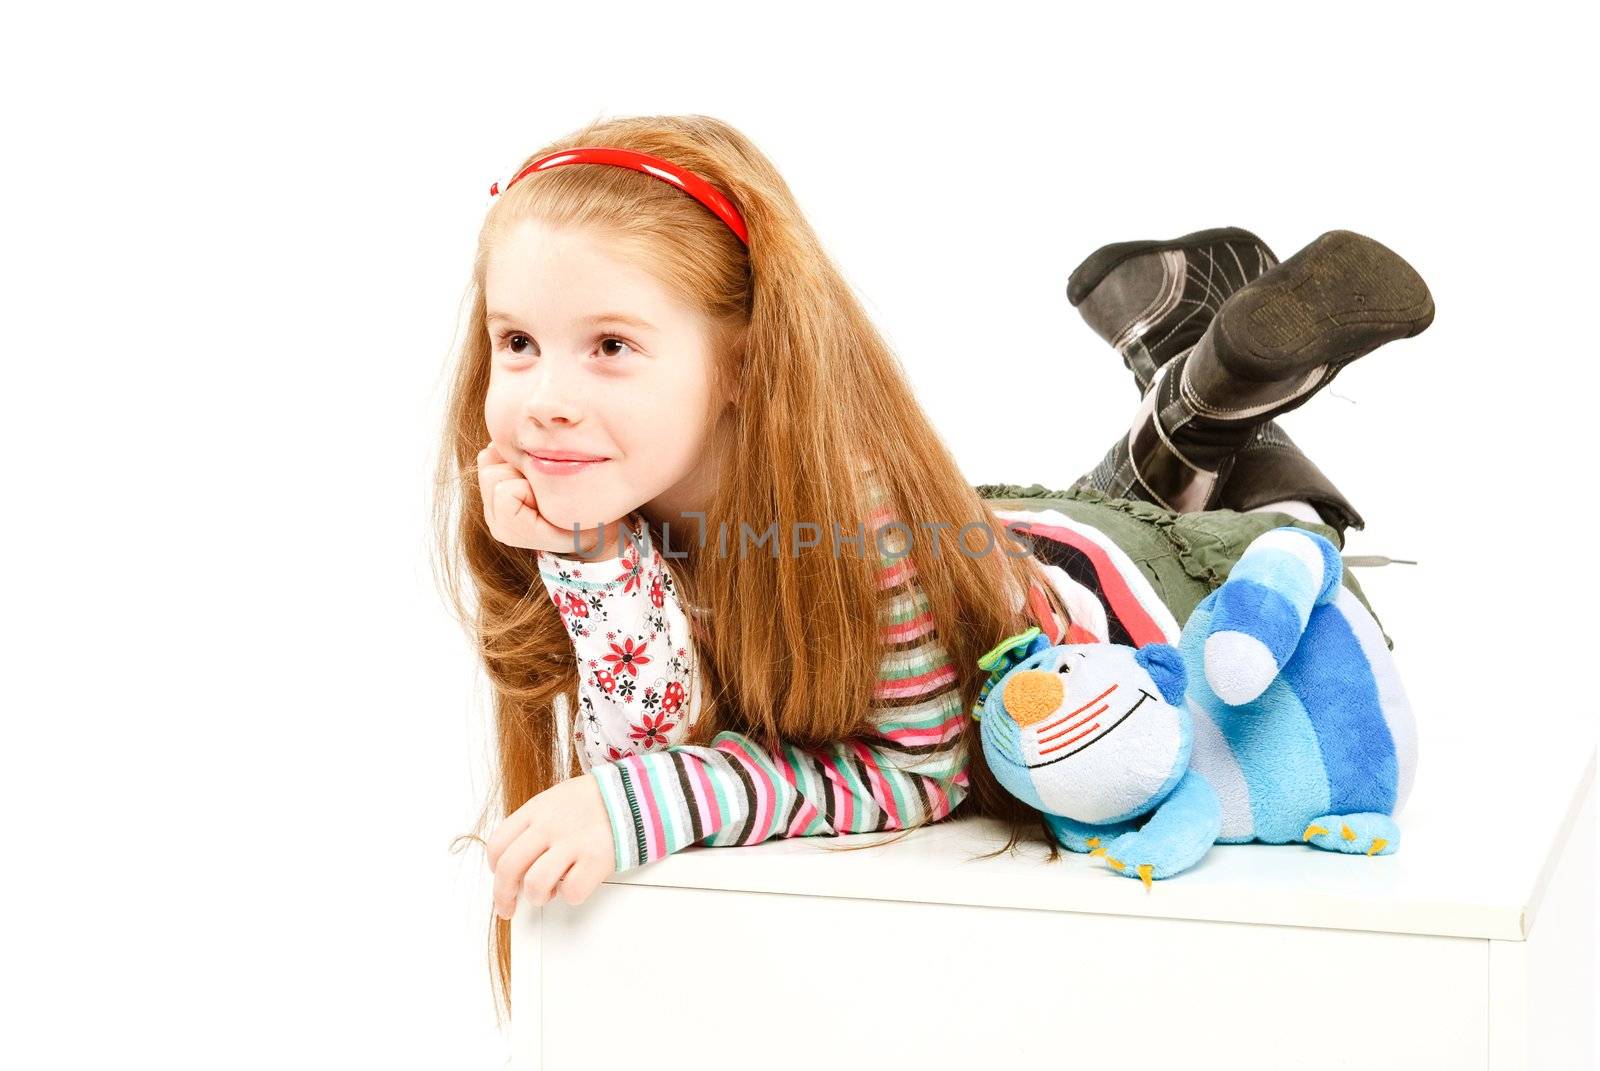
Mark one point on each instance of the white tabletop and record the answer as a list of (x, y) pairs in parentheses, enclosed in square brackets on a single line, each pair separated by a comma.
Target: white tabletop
[(1454, 875), (1506, 757)]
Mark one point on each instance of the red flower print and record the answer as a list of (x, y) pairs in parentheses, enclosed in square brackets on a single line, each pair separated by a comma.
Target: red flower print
[(628, 658), (630, 570), (607, 682), (576, 606), (613, 754), (656, 598), (673, 698), (653, 731)]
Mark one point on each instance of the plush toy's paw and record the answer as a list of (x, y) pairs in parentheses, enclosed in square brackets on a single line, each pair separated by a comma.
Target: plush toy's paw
[(1138, 855), (1363, 833), (1080, 836), (1238, 666)]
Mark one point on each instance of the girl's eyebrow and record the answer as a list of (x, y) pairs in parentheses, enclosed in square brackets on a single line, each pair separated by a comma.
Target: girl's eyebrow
[(604, 317)]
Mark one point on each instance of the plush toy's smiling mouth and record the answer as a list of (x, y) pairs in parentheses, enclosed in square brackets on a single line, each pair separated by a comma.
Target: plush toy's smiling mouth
[(1086, 726)]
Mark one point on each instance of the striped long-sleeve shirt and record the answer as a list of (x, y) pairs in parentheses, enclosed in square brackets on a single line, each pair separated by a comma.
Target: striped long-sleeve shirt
[(639, 692)]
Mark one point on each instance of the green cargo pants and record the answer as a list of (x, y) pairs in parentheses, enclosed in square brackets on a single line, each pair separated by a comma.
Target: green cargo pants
[(1186, 556)]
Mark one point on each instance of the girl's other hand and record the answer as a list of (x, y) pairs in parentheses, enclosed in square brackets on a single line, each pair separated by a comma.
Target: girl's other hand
[(561, 836), (512, 513)]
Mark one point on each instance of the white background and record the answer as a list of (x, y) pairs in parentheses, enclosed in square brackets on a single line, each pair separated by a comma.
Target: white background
[(241, 729)]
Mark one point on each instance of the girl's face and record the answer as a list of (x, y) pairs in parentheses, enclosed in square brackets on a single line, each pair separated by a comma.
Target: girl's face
[(592, 356)]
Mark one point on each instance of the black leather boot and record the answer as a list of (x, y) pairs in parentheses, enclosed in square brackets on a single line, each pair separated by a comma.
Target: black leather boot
[(1271, 468), (1152, 299), (1274, 343)]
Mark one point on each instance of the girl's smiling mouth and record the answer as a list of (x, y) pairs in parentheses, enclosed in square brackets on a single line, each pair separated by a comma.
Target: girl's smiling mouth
[(562, 462)]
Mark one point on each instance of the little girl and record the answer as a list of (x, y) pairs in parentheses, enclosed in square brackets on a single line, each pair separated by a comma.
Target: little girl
[(729, 583)]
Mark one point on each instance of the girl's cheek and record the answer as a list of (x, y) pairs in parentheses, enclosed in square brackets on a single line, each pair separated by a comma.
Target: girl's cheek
[(499, 409)]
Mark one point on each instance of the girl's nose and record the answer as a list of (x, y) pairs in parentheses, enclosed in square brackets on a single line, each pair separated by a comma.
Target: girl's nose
[(555, 393)]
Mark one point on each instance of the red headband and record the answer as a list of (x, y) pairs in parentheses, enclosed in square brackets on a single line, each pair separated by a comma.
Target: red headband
[(666, 170)]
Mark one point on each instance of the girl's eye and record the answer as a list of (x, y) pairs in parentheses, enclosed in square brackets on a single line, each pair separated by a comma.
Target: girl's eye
[(508, 341), (512, 340)]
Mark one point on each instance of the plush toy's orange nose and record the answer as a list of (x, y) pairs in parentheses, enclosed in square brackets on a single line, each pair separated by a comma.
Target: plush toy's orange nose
[(1032, 695)]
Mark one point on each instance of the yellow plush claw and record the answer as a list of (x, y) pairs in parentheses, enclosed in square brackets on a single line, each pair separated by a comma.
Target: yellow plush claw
[(1093, 842), (1145, 872), (1118, 863), (1313, 831), (1098, 851), (1377, 846)]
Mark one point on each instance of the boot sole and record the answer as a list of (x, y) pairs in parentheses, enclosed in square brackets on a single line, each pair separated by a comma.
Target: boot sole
[(1340, 297), (1086, 276)]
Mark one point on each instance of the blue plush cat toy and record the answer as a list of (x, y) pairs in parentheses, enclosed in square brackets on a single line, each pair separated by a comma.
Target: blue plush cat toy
[(1279, 717)]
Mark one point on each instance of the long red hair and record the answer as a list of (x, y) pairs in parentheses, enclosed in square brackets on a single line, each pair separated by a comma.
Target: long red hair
[(791, 656)]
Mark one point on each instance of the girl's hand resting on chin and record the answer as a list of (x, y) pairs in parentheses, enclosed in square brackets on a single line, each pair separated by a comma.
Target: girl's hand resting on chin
[(561, 836), (514, 519)]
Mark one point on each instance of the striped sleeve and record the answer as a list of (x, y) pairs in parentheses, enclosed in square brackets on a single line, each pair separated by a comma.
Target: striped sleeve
[(910, 769)]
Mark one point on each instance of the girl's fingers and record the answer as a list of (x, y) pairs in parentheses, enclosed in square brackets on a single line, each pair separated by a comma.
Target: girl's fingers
[(512, 512), (506, 832), (492, 463), (514, 520), (509, 508), (584, 878), (491, 472), (539, 884), (514, 866)]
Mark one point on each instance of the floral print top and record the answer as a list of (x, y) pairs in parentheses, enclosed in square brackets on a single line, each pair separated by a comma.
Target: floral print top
[(636, 679)]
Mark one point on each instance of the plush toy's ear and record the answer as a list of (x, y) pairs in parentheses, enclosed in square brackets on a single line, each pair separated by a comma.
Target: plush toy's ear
[(1165, 665)]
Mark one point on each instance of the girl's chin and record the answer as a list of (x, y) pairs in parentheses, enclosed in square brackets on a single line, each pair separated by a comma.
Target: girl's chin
[(564, 512)]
